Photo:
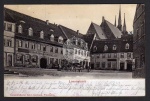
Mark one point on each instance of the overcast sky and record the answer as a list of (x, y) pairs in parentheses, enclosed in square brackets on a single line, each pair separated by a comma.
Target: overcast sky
[(79, 17)]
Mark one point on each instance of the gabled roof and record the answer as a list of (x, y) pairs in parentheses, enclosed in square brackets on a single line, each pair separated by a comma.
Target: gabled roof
[(89, 38), (99, 31), (70, 33), (36, 24), (116, 32)]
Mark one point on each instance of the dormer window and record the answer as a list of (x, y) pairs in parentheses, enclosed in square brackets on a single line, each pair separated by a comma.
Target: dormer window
[(127, 46), (60, 39), (105, 48), (94, 49), (52, 37), (42, 35), (19, 29), (114, 47), (30, 31)]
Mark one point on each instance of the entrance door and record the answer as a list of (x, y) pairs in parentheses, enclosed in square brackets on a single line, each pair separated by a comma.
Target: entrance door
[(9, 60), (129, 67), (43, 63), (92, 66), (121, 66)]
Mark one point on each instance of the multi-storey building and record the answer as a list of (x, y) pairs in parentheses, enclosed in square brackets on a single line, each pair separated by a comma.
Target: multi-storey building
[(9, 29), (139, 41), (36, 42), (116, 54), (111, 46)]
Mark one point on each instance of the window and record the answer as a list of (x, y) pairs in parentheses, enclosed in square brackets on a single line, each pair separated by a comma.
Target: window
[(103, 64), (56, 50), (44, 48), (114, 47), (128, 55), (109, 55), (26, 44), (41, 34), (39, 47), (109, 64), (115, 55), (94, 49), (78, 52), (30, 31), (9, 43), (75, 51), (51, 49), (19, 58), (105, 48), (27, 58), (84, 53), (19, 29), (61, 51), (33, 46), (9, 27), (81, 52), (97, 64), (52, 37), (122, 55), (19, 43), (34, 58), (103, 55), (127, 46), (60, 39)]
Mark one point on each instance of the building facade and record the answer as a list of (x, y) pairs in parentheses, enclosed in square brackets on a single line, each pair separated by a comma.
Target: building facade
[(139, 41), (37, 43), (9, 32), (114, 54)]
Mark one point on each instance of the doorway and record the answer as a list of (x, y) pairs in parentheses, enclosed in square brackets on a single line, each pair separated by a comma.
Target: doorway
[(121, 66), (43, 63), (9, 60), (129, 67)]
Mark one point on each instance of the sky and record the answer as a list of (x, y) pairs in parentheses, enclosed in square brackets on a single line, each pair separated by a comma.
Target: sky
[(78, 16)]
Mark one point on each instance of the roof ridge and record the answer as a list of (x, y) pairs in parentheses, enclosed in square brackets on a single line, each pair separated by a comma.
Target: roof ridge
[(30, 17)]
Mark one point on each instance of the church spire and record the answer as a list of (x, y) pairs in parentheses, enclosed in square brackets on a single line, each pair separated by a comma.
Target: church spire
[(124, 25), (119, 20), (115, 20)]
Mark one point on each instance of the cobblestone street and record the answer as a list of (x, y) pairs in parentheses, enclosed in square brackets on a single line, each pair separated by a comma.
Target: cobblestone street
[(54, 74)]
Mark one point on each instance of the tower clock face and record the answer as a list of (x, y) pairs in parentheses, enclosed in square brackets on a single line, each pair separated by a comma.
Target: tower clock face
[(70, 48)]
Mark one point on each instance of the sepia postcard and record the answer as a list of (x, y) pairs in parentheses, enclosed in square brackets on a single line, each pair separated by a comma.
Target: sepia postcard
[(67, 50)]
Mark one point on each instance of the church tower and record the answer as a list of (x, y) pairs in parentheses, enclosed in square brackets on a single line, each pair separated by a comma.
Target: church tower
[(124, 26), (119, 20)]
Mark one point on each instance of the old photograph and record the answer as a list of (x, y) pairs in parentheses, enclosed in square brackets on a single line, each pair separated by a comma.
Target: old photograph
[(81, 42)]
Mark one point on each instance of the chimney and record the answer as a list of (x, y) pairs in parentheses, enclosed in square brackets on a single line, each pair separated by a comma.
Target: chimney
[(103, 19), (47, 22), (78, 32)]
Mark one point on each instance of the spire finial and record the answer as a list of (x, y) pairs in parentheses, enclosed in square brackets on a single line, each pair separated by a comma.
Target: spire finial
[(119, 20)]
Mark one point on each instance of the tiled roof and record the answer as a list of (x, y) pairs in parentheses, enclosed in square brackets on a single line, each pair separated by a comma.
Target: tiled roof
[(99, 31), (89, 38), (70, 33), (117, 33), (120, 44), (36, 24)]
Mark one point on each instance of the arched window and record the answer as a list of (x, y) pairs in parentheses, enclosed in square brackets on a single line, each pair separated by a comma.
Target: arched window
[(30, 31), (19, 29), (52, 37), (42, 34), (60, 39), (105, 48), (94, 49), (127, 46), (114, 47)]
